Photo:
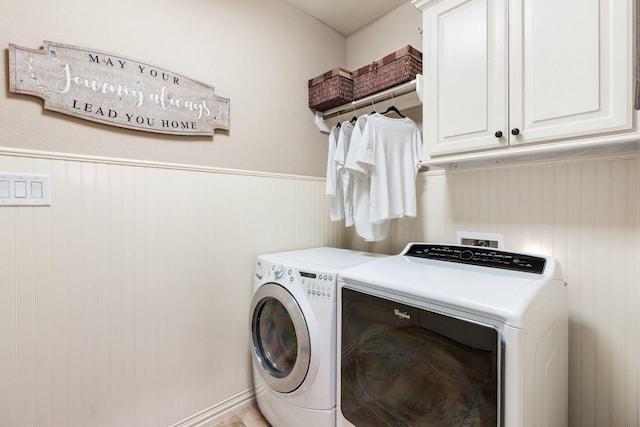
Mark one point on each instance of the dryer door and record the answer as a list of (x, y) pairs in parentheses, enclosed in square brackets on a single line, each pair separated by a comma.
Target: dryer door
[(280, 338)]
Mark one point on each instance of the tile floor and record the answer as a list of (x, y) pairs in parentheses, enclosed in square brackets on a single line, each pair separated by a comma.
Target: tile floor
[(250, 417)]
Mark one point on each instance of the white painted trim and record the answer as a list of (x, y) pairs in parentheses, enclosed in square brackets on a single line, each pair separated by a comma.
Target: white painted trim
[(220, 411), (633, 152), (422, 5), (10, 151)]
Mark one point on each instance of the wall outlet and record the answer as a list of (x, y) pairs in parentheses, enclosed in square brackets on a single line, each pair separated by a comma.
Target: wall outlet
[(488, 240)]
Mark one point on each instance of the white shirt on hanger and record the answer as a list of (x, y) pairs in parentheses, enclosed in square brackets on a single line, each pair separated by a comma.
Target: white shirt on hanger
[(392, 156), (342, 148), (361, 184), (332, 189)]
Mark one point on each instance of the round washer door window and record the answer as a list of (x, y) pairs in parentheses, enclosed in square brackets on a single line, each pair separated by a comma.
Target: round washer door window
[(280, 338)]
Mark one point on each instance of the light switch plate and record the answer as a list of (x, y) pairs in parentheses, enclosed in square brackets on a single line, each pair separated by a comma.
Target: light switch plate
[(22, 189)]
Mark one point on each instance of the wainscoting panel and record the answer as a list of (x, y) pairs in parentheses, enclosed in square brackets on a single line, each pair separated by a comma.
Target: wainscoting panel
[(126, 302), (586, 214)]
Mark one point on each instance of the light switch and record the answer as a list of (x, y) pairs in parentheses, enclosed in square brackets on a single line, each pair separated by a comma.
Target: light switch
[(20, 189), (36, 189), (5, 191), (24, 189)]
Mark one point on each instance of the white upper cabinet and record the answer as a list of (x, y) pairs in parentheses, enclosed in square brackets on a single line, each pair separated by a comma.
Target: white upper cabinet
[(502, 73), (466, 76)]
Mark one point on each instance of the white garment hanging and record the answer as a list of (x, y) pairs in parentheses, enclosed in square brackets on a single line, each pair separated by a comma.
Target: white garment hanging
[(360, 185), (343, 176), (392, 156), (332, 189)]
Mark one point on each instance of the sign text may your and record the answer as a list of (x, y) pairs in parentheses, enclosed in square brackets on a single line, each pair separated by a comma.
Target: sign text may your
[(114, 90)]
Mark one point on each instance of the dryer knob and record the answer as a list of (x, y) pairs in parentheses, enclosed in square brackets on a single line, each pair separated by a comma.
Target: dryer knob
[(279, 272)]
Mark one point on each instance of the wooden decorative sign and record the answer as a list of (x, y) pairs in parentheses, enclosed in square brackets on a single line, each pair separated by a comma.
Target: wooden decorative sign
[(117, 91)]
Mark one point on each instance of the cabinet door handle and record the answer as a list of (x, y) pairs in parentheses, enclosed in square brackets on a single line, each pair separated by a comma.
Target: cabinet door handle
[(498, 134), (515, 131)]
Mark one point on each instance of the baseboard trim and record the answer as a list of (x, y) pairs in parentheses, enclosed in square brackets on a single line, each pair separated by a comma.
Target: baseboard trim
[(220, 411)]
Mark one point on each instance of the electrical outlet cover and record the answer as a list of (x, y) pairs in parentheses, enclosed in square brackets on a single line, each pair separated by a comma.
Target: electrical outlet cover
[(489, 240)]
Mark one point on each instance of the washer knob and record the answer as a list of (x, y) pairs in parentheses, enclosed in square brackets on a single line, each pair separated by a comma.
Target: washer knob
[(278, 272)]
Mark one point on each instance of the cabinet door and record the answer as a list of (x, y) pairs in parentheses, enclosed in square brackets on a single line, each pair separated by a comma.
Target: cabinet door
[(570, 68), (466, 76)]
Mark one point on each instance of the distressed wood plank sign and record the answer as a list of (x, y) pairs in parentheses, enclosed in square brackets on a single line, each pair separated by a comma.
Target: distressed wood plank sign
[(115, 90)]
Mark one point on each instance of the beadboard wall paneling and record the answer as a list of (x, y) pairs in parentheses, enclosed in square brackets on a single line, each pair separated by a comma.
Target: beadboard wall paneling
[(125, 303), (586, 214)]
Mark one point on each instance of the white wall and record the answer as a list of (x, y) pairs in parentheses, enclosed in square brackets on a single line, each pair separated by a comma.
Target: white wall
[(388, 34), (258, 53), (126, 302)]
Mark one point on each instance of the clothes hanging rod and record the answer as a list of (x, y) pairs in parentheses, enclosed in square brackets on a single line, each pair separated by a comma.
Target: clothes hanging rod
[(370, 101)]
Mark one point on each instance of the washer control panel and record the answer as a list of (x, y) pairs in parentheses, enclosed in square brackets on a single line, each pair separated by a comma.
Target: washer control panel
[(485, 257), (319, 286)]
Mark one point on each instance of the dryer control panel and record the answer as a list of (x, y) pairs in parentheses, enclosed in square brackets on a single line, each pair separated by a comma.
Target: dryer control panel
[(481, 256)]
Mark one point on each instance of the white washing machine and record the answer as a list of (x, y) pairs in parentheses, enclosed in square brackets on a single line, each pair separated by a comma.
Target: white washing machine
[(293, 334), (445, 335)]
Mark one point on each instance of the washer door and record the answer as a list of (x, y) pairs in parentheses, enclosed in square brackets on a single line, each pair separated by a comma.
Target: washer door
[(280, 338)]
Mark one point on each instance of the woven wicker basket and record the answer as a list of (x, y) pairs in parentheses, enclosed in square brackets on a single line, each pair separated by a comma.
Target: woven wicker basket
[(331, 89), (396, 68)]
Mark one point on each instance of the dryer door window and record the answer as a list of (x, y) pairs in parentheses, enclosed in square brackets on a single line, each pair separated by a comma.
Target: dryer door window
[(403, 365), (280, 338)]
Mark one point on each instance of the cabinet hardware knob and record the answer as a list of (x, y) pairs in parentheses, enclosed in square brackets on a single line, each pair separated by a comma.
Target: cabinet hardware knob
[(515, 131), (498, 134)]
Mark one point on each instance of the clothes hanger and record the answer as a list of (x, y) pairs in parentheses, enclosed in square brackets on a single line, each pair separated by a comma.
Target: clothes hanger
[(392, 108), (355, 117), (373, 105)]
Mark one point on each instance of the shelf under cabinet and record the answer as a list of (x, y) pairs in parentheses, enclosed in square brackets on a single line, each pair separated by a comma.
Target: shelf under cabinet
[(596, 146), (404, 96)]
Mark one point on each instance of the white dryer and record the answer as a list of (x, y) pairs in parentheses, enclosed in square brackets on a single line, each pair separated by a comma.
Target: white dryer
[(293, 334), (445, 335)]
